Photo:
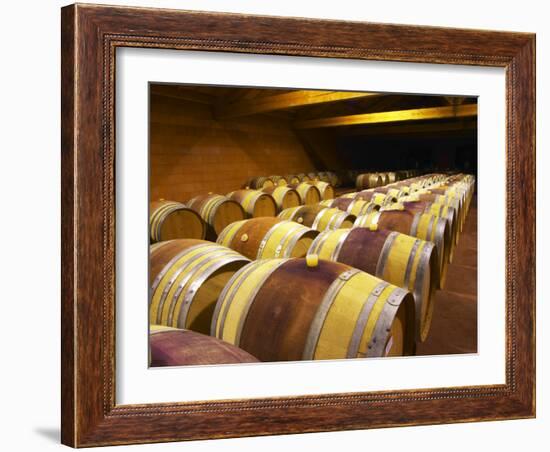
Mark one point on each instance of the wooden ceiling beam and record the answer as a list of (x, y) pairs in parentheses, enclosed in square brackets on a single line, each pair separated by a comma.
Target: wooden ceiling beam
[(390, 129), (285, 101), (457, 111)]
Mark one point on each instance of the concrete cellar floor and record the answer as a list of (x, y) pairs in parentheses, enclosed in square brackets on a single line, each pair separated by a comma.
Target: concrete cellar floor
[(454, 323)]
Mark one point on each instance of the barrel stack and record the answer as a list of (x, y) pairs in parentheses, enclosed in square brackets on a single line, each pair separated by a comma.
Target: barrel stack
[(296, 268)]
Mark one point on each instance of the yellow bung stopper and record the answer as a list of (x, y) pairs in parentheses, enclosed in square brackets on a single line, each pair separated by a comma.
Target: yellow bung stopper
[(373, 227), (312, 260), (161, 199), (244, 237), (300, 220), (209, 192)]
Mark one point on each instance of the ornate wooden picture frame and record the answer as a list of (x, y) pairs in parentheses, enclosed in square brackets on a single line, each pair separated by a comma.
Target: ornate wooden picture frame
[(90, 37)]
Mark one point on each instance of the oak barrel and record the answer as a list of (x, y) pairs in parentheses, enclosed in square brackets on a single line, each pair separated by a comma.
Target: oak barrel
[(385, 178), (303, 177), (391, 194), (420, 225), (186, 277), (255, 203), (445, 200), (268, 237), (368, 180), (370, 195), (279, 181), (259, 182), (392, 177), (292, 179), (179, 347), (284, 197), (217, 211), (286, 310), (400, 259), (309, 194), (319, 217), (413, 204), (324, 176), (352, 206), (313, 177), (172, 220), (325, 189)]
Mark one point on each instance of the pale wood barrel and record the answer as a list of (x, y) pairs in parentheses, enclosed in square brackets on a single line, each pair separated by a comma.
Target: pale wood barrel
[(427, 195), (279, 181), (284, 197), (217, 211), (324, 176), (186, 277), (260, 182), (303, 177), (325, 189), (370, 195), (368, 180), (255, 203), (413, 204), (392, 177), (313, 177), (292, 179), (309, 194), (391, 194), (402, 260), (262, 238), (420, 225), (172, 220), (452, 197), (401, 189), (385, 178), (319, 217), (356, 207), (179, 347), (285, 310)]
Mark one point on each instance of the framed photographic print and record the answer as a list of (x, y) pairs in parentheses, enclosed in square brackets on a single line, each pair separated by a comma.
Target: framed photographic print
[(281, 225)]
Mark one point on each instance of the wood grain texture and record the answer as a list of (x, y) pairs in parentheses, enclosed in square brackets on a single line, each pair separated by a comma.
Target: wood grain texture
[(417, 114), (90, 36)]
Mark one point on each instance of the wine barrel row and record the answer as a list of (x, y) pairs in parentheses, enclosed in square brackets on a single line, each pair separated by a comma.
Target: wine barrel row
[(332, 178), (320, 309), (170, 219), (420, 225), (399, 259), (337, 278), (437, 194), (337, 178)]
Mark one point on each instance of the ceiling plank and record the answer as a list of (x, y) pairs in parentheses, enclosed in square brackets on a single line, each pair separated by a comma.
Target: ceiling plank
[(285, 101), (457, 111), (389, 129)]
